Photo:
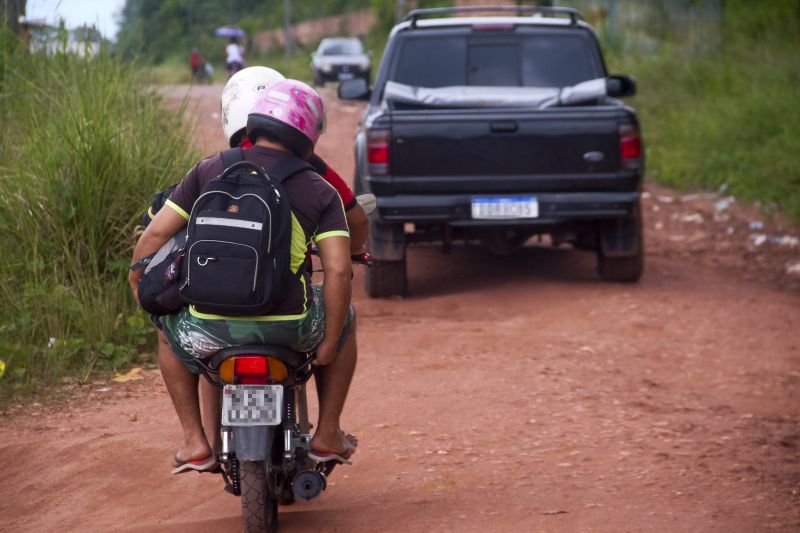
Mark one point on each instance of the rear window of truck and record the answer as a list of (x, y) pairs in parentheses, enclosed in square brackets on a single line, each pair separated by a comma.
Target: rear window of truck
[(519, 60)]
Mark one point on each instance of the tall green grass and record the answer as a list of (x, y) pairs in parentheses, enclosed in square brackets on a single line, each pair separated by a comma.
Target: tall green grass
[(85, 145), (727, 114)]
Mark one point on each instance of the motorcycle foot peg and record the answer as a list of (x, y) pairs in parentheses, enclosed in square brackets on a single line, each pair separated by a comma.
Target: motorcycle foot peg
[(309, 484)]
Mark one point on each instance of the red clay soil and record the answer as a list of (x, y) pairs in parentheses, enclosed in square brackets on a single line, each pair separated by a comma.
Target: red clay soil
[(504, 394)]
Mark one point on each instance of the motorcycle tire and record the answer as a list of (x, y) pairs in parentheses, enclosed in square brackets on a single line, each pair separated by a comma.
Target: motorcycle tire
[(259, 509)]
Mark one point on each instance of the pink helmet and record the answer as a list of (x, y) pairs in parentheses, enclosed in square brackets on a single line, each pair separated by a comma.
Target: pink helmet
[(291, 113)]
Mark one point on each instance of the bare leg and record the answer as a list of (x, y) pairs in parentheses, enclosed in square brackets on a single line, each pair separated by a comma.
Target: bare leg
[(211, 413), (333, 383), (182, 387)]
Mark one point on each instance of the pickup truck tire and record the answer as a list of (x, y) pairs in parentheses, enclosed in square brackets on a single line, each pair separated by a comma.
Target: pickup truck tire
[(386, 278), (624, 269)]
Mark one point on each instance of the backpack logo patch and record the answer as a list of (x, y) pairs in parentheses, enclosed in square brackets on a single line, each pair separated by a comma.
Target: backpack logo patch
[(233, 208)]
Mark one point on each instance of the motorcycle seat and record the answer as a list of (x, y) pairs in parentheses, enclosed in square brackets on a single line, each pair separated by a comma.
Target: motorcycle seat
[(293, 359)]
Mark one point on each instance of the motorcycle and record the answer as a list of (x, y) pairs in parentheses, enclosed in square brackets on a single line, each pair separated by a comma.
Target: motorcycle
[(265, 429)]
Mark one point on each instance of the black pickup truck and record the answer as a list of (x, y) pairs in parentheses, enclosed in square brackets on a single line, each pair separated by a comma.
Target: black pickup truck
[(493, 129)]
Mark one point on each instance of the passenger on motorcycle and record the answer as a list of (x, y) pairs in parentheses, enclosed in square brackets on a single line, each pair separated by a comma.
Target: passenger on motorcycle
[(307, 313)]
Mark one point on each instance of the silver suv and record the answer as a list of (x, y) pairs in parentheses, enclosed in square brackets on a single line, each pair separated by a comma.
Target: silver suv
[(340, 58)]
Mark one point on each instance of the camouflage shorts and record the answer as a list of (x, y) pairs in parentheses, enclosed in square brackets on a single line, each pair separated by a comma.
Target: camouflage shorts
[(190, 336)]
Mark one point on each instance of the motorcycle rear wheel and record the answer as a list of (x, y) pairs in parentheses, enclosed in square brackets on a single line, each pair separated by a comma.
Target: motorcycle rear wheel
[(259, 509)]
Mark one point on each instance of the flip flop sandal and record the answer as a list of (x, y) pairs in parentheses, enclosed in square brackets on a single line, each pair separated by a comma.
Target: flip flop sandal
[(208, 464), (326, 457)]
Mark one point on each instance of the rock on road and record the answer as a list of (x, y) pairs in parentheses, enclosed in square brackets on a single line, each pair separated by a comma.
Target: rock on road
[(511, 394)]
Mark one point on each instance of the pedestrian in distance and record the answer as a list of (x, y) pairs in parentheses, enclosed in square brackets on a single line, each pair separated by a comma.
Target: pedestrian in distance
[(234, 57)]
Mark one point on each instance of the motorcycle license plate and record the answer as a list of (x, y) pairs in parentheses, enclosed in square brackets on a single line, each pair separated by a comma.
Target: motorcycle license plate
[(252, 405), (505, 208)]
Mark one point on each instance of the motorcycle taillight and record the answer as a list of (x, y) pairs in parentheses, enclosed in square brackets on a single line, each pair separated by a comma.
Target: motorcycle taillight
[(250, 370)]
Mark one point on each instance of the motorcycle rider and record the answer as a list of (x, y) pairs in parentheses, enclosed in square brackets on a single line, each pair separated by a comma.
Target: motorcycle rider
[(307, 314)]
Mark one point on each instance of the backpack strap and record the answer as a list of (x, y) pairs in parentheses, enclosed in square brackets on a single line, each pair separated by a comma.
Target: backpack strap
[(285, 169), (231, 156)]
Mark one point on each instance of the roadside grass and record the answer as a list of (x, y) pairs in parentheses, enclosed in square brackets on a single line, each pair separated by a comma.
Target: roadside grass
[(85, 145), (175, 72), (727, 116), (171, 73)]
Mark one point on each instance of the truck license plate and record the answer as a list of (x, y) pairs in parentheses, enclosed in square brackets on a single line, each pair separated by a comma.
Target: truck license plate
[(252, 405), (505, 208)]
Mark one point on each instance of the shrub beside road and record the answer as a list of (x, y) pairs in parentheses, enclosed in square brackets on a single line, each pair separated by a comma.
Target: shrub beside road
[(85, 145)]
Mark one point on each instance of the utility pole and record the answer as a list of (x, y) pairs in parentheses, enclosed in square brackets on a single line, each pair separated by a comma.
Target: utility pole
[(612, 22), (287, 29), (189, 28), (12, 9), (400, 11)]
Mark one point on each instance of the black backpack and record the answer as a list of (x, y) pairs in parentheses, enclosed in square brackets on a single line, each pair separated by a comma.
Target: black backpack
[(237, 255), (158, 286), (159, 200)]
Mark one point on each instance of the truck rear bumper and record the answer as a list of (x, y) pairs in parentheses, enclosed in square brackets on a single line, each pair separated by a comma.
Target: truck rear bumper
[(554, 208)]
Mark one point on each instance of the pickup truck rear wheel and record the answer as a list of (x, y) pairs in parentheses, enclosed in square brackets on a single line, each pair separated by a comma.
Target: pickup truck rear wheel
[(386, 278), (628, 268)]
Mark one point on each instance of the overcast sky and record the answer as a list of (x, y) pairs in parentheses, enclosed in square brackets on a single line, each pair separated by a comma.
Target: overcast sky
[(76, 13)]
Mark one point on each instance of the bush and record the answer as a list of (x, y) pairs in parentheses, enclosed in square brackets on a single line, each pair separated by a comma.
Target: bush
[(727, 115), (85, 145)]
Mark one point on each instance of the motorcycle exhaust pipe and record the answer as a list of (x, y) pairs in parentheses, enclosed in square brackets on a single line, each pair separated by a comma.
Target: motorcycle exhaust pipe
[(309, 484)]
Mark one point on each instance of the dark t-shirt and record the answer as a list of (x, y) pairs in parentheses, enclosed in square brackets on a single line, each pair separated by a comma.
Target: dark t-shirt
[(317, 213)]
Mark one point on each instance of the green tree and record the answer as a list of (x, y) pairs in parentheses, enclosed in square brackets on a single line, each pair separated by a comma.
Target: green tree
[(157, 30)]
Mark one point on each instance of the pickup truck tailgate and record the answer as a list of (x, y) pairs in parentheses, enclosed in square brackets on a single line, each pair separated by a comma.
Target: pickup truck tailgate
[(509, 150)]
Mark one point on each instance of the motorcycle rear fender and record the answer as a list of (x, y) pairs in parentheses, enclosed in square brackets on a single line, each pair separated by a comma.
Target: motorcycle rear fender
[(253, 443)]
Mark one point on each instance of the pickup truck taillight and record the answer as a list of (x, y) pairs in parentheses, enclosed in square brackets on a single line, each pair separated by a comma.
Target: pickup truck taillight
[(630, 147), (378, 152)]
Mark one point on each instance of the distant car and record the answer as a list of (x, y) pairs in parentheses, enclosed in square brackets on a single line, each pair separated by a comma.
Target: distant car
[(340, 58)]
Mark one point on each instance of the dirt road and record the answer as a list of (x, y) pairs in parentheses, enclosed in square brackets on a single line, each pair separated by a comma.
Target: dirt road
[(517, 394)]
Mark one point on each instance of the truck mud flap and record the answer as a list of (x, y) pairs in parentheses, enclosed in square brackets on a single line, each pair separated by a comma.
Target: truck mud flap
[(253, 443), (387, 241), (622, 237)]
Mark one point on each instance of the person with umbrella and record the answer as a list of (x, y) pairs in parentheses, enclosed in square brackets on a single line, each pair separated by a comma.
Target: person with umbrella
[(234, 57), (234, 52)]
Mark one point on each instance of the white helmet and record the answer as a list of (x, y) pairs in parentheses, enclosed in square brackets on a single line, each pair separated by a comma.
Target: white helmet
[(238, 97)]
